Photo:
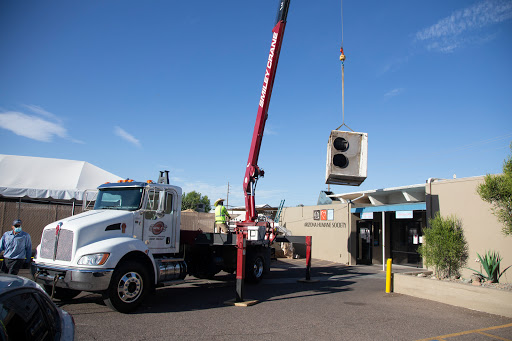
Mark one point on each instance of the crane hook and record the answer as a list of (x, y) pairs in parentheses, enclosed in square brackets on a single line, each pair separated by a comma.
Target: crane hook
[(342, 56)]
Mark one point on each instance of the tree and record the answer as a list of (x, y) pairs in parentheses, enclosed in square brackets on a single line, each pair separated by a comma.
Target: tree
[(497, 190), (191, 200), (444, 247)]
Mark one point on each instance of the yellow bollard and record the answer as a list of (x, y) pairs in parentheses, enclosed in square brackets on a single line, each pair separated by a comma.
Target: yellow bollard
[(388, 276)]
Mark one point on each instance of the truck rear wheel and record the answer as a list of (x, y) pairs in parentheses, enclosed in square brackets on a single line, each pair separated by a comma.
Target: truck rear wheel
[(254, 268), (128, 288)]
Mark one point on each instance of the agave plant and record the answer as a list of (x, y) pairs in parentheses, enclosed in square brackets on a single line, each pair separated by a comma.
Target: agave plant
[(491, 266)]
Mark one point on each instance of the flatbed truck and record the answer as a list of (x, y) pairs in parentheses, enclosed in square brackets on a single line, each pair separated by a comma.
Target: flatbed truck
[(131, 243)]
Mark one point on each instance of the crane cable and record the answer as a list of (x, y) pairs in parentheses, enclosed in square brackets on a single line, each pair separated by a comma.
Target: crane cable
[(342, 59)]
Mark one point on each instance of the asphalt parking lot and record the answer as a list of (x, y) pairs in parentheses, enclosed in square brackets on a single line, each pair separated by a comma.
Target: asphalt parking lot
[(345, 303)]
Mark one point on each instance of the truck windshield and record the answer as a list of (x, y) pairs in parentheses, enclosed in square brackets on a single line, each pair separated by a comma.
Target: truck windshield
[(128, 199)]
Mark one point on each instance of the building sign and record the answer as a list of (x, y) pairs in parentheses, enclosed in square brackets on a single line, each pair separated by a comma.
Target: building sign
[(324, 224), (403, 214), (324, 215), (367, 215)]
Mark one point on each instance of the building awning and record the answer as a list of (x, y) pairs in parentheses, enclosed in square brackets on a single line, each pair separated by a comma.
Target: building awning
[(418, 206), (385, 196)]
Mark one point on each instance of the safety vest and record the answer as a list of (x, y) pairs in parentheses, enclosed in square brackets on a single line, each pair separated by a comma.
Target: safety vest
[(220, 214)]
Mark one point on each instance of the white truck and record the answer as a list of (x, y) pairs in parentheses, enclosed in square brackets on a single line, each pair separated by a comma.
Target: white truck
[(131, 243)]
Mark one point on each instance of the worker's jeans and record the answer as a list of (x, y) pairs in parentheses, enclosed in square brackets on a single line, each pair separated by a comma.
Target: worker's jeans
[(12, 266)]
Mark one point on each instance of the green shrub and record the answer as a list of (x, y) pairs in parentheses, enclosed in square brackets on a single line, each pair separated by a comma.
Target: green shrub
[(444, 247), (491, 265), (497, 190)]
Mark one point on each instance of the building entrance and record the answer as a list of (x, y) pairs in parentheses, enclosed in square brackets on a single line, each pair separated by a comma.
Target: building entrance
[(405, 240)]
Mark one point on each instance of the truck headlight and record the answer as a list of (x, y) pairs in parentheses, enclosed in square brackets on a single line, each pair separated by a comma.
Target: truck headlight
[(94, 259)]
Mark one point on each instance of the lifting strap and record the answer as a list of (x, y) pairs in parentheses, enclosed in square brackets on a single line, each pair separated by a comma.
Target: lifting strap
[(342, 59)]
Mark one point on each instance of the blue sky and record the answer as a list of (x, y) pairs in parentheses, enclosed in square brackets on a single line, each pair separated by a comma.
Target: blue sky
[(135, 87)]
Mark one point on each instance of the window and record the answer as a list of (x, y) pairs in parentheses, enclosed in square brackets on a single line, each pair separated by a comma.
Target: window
[(27, 315), (153, 197), (119, 199), (153, 201), (168, 203)]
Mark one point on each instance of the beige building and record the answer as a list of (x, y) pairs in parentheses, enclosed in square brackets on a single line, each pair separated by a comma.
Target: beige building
[(368, 227), (458, 197)]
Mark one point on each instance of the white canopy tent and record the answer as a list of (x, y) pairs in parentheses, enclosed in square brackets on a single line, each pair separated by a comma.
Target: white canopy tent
[(39, 178)]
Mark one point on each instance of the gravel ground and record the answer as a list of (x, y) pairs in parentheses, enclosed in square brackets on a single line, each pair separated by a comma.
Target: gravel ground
[(469, 281)]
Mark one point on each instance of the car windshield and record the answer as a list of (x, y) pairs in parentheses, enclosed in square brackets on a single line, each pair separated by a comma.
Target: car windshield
[(128, 199)]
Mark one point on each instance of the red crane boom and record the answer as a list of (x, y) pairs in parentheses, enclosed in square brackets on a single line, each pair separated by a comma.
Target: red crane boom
[(253, 172)]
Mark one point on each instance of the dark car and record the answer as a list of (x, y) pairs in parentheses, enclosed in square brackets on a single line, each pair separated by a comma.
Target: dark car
[(28, 313)]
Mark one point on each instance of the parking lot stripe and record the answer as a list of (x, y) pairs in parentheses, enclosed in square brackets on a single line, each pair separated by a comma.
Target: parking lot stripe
[(475, 331), (493, 336)]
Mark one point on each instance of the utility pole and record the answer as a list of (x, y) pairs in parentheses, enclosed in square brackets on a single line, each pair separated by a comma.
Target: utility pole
[(227, 197)]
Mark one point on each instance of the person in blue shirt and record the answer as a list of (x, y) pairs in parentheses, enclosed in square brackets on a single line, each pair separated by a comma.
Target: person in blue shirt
[(17, 248)]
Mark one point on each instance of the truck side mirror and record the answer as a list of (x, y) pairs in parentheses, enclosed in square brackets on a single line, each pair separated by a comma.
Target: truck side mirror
[(84, 201), (86, 205), (162, 200)]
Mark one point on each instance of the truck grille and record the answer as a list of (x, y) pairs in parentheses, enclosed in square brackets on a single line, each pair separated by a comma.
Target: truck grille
[(64, 247)]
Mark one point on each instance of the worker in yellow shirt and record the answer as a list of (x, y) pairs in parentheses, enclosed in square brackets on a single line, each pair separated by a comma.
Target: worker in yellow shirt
[(221, 213)]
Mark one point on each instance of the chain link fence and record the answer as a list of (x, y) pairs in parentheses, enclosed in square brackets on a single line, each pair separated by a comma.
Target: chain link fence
[(35, 215), (193, 221)]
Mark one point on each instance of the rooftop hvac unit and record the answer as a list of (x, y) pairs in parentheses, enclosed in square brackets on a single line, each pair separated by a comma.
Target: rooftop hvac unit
[(347, 158)]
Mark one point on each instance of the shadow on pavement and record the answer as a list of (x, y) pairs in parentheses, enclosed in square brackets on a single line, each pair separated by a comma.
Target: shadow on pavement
[(280, 284)]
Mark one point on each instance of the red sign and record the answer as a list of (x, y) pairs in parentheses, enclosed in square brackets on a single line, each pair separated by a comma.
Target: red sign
[(323, 215), (158, 228)]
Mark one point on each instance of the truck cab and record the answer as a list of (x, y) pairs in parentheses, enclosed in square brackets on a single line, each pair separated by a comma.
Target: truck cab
[(153, 212)]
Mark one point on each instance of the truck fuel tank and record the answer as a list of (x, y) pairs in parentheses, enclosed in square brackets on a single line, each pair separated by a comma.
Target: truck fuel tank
[(171, 269)]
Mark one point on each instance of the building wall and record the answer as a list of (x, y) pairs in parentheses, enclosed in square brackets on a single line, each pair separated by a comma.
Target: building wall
[(482, 230), (332, 240)]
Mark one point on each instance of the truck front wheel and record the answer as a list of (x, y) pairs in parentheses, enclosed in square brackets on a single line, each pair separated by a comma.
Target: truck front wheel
[(128, 288)]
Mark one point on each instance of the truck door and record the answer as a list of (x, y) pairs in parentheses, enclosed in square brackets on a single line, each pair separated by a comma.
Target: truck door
[(159, 231)]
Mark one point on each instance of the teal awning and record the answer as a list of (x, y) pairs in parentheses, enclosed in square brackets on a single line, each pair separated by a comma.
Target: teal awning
[(417, 206)]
